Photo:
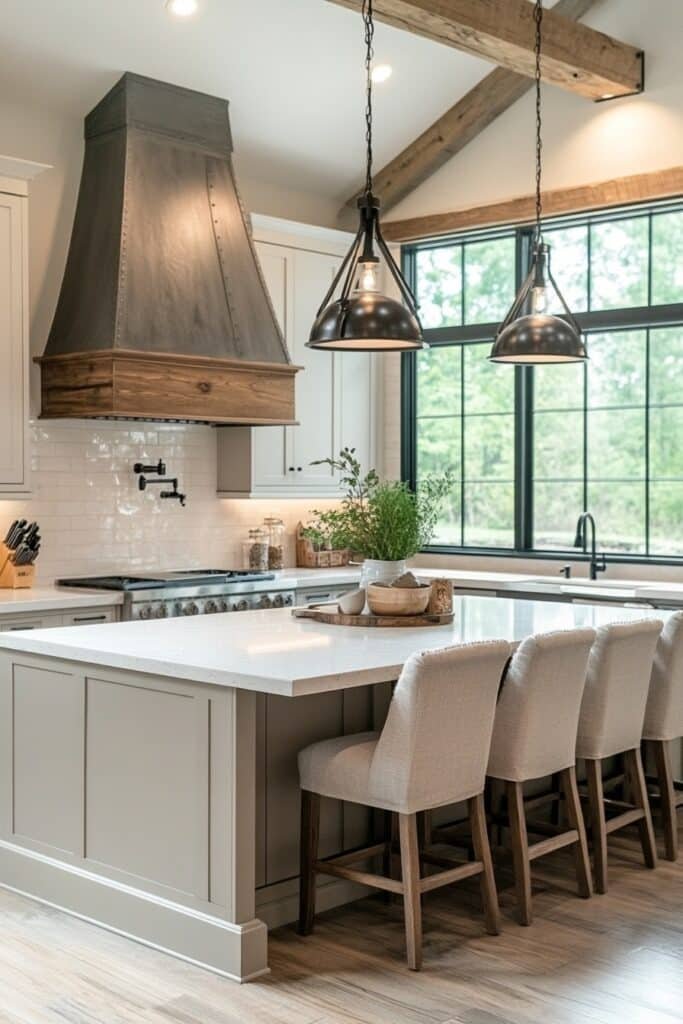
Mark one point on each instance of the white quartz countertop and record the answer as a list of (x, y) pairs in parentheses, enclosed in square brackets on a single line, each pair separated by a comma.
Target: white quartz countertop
[(272, 652), (54, 599)]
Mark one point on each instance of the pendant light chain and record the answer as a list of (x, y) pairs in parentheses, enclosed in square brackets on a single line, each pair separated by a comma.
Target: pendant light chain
[(369, 54), (538, 18), (355, 315)]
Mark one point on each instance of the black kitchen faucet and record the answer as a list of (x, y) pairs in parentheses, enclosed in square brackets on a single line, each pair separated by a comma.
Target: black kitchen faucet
[(597, 563)]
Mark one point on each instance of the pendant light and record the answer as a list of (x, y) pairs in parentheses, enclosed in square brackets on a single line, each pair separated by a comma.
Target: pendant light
[(360, 317), (530, 333)]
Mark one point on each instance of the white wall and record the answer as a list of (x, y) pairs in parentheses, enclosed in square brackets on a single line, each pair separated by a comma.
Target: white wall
[(583, 142), (84, 490)]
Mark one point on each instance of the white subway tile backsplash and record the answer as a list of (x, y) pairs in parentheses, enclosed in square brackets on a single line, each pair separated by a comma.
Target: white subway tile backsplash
[(93, 518)]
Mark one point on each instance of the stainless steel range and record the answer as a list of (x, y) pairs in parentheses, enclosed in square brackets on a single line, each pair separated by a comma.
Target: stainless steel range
[(194, 592)]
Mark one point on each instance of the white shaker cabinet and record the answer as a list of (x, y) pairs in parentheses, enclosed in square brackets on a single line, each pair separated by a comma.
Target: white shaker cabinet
[(335, 393), (14, 317)]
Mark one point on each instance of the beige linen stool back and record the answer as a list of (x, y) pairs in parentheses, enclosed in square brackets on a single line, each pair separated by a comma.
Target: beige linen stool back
[(432, 751), (611, 722), (534, 736), (664, 723)]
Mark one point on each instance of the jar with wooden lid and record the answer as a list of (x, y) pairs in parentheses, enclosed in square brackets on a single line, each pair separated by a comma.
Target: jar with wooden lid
[(255, 549), (276, 541)]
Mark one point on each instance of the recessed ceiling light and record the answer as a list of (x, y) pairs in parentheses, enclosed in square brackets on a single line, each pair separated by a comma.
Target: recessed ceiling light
[(381, 72), (182, 8)]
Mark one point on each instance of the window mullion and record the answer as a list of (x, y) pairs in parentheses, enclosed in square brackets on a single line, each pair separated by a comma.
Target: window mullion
[(524, 487)]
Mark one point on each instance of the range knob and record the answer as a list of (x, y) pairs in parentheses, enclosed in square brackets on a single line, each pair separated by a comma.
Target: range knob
[(210, 607), (241, 606), (289, 600), (265, 602), (161, 611), (146, 611), (178, 608), (222, 606), (278, 601), (190, 608)]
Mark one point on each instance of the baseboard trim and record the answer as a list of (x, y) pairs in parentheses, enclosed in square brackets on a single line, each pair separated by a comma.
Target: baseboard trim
[(281, 905), (236, 951)]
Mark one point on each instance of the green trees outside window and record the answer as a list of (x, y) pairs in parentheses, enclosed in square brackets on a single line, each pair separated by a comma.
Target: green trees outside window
[(531, 447)]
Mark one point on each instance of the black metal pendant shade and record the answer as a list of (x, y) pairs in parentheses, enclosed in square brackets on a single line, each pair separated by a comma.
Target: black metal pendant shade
[(369, 322), (529, 334), (355, 315), (362, 318)]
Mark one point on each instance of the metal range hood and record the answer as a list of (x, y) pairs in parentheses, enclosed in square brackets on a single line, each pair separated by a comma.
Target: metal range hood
[(163, 312)]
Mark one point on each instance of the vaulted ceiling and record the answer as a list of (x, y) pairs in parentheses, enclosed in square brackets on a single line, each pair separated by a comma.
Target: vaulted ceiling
[(292, 70)]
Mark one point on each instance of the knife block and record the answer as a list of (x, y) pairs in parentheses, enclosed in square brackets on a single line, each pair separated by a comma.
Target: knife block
[(14, 577)]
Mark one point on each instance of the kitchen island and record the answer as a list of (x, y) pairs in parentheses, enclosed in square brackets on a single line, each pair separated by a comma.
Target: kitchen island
[(148, 779)]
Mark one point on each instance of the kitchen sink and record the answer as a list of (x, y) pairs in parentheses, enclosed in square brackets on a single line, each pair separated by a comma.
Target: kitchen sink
[(600, 584)]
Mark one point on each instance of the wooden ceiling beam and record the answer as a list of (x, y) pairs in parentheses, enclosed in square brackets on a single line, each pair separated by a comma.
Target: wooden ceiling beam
[(575, 57), (636, 188), (458, 126)]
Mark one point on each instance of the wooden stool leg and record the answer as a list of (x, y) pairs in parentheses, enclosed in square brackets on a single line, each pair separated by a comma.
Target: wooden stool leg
[(520, 850), (596, 806), (667, 794), (410, 870), (636, 776), (310, 831), (556, 806), (482, 852), (575, 818), (387, 836)]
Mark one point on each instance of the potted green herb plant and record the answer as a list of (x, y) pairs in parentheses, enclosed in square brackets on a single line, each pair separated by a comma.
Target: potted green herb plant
[(382, 521)]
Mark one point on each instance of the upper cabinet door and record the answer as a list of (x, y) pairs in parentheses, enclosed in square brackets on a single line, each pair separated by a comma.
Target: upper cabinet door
[(358, 375), (13, 343), (317, 384), (271, 459)]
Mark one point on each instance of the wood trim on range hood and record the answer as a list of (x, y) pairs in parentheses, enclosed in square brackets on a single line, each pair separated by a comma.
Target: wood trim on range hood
[(163, 312), (137, 385)]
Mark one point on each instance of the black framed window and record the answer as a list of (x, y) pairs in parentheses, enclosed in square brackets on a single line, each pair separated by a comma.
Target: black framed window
[(530, 448)]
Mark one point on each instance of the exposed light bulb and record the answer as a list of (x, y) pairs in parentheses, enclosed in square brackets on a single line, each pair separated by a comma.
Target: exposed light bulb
[(182, 8), (367, 278), (539, 299), (381, 72)]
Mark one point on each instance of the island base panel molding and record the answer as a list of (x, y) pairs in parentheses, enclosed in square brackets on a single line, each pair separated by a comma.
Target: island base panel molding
[(129, 800)]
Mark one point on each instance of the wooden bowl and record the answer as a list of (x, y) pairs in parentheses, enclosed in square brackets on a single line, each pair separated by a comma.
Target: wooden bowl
[(398, 600)]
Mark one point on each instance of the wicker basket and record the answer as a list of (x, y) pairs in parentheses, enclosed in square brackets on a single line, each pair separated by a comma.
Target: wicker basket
[(308, 558)]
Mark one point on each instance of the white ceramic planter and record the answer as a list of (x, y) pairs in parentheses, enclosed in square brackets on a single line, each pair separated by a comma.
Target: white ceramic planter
[(376, 571)]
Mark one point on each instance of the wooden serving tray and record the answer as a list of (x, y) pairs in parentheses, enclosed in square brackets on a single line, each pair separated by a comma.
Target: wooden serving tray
[(318, 614)]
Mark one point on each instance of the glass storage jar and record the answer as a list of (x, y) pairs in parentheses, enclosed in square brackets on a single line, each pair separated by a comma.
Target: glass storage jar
[(255, 550), (276, 541)]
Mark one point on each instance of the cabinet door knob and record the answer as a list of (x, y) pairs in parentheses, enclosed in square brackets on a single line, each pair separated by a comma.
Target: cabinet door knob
[(290, 469), (298, 469)]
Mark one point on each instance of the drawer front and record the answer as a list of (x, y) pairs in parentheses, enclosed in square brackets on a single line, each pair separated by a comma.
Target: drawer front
[(10, 623), (45, 620), (89, 616)]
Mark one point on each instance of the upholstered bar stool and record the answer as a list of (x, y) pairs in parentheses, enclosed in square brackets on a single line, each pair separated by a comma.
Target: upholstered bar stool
[(534, 736), (432, 751), (664, 723), (611, 723)]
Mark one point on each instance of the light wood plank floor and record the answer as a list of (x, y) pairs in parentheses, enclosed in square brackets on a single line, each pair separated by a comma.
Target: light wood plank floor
[(615, 959)]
